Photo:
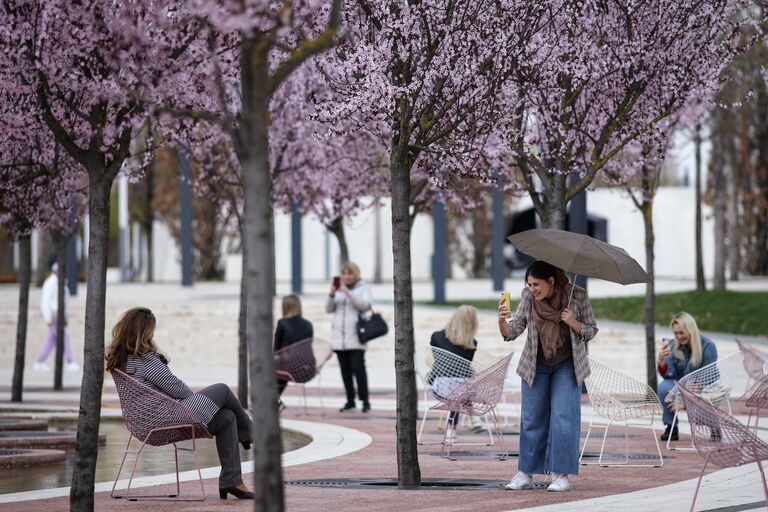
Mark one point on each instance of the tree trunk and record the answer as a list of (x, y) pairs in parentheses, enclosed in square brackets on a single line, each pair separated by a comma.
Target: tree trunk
[(701, 285), (61, 310), (149, 226), (719, 210), (25, 276), (408, 470), (734, 242), (337, 228), (242, 348), (259, 285), (81, 498), (552, 210), (650, 295)]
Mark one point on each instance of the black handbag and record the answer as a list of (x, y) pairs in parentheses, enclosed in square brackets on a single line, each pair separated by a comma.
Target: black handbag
[(370, 326)]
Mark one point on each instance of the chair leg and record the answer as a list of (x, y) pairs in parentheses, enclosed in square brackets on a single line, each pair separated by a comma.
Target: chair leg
[(117, 477), (698, 484), (495, 422), (423, 419), (304, 393), (489, 426)]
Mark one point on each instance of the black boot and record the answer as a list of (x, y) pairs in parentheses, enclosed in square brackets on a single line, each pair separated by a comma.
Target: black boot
[(669, 433)]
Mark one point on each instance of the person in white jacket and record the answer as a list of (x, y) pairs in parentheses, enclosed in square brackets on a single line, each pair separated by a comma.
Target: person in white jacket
[(49, 307), (349, 297)]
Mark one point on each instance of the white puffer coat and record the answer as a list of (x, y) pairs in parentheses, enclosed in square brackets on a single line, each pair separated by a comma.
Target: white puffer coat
[(346, 308)]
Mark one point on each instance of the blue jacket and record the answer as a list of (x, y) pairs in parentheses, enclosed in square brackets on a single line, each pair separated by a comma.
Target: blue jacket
[(676, 368)]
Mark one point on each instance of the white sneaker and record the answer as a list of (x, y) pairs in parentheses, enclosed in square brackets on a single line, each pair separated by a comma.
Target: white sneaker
[(73, 367), (520, 481), (41, 367), (450, 437), (560, 483)]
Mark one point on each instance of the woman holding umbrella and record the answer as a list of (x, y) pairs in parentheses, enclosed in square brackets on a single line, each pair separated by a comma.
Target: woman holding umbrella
[(553, 366)]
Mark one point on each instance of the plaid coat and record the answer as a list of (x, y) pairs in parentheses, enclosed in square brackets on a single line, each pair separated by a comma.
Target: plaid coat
[(523, 317)]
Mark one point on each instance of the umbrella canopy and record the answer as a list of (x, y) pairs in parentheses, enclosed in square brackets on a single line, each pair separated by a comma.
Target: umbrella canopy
[(580, 254)]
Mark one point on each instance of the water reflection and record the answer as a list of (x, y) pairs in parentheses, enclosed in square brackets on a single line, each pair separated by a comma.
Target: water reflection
[(154, 460)]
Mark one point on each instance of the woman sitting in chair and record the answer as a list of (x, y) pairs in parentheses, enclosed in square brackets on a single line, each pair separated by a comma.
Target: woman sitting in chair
[(689, 351), (133, 351), (458, 338)]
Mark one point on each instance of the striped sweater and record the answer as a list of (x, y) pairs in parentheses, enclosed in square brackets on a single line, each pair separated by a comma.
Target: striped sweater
[(152, 371)]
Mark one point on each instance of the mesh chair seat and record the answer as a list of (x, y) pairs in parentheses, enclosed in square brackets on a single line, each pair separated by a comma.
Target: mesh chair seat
[(302, 361), (712, 383), (155, 419), (479, 396), (720, 438), (757, 399), (754, 365), (617, 397), (441, 372)]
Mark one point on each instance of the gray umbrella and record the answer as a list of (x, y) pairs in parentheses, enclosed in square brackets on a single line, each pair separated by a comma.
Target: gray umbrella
[(580, 254)]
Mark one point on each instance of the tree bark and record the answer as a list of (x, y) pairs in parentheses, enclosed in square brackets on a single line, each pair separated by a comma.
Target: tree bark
[(259, 277), (242, 330), (701, 285), (81, 497), (553, 204), (61, 310), (25, 276), (408, 470), (337, 228), (650, 294), (719, 211)]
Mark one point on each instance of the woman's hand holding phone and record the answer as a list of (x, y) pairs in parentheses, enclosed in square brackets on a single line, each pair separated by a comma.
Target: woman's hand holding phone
[(664, 352)]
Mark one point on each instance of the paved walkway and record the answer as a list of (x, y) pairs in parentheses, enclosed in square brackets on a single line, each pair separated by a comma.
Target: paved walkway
[(200, 325)]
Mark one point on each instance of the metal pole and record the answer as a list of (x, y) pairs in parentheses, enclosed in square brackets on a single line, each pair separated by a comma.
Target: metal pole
[(497, 236), (71, 255), (185, 195), (296, 256), (577, 220), (439, 257)]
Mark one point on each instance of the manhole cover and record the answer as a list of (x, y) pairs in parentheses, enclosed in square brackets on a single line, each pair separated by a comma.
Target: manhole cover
[(6, 453), (36, 433), (427, 484), (621, 456)]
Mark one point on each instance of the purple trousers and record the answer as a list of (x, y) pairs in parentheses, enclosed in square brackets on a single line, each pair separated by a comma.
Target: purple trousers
[(50, 344)]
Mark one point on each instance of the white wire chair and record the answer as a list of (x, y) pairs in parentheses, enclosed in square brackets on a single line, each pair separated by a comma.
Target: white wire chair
[(755, 362), (440, 373), (619, 398), (301, 362), (713, 383)]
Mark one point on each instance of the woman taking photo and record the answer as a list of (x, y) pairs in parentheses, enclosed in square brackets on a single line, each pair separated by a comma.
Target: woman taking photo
[(133, 351), (689, 351), (553, 366), (349, 297)]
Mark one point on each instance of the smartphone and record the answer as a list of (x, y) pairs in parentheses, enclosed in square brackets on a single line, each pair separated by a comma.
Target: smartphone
[(336, 282), (505, 298)]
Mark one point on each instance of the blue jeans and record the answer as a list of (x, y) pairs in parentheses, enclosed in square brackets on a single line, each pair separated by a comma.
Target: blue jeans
[(550, 425), (664, 387)]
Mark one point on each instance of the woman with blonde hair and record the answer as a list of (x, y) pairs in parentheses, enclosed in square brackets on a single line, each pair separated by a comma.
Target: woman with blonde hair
[(133, 351), (349, 296), (458, 338), (689, 351)]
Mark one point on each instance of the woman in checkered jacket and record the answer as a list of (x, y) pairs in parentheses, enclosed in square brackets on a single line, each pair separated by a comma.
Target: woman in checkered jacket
[(553, 366)]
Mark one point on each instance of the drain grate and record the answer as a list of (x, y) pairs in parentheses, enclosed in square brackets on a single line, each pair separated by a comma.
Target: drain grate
[(7, 453), (461, 454), (427, 484)]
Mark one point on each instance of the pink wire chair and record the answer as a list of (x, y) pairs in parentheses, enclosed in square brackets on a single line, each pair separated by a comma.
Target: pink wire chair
[(721, 439), (756, 400), (156, 419), (300, 362), (478, 396), (754, 363)]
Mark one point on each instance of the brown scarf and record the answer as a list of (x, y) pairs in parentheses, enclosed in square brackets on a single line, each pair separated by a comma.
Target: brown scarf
[(546, 318)]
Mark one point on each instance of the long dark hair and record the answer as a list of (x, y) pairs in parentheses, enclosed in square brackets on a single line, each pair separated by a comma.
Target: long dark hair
[(543, 270), (133, 334)]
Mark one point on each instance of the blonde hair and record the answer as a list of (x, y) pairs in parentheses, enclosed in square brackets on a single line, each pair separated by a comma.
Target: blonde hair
[(688, 323), (351, 268), (291, 306), (462, 327), (133, 334)]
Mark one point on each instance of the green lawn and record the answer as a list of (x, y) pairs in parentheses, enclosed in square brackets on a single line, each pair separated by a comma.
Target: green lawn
[(719, 310)]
